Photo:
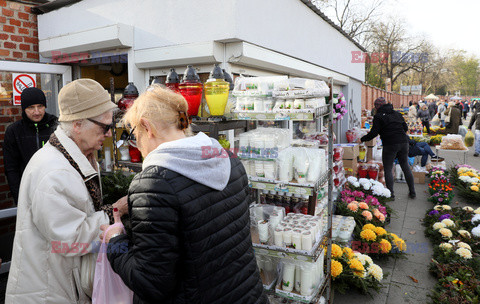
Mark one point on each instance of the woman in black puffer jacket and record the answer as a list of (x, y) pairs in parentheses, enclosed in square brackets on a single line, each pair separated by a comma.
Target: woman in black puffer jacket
[(190, 240)]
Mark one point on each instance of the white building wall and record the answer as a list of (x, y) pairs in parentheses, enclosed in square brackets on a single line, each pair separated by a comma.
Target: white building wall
[(285, 26)]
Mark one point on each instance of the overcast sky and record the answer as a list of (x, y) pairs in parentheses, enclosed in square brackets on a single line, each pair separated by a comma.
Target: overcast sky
[(447, 23)]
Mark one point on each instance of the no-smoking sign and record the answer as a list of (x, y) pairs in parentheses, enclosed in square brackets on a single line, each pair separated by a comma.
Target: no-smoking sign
[(20, 83)]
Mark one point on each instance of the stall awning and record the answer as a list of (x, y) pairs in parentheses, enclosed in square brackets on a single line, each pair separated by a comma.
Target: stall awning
[(235, 53), (255, 56), (97, 39), (185, 54)]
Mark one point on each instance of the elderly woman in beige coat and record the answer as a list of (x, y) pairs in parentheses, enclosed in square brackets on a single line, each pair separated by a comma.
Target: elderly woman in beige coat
[(60, 208)]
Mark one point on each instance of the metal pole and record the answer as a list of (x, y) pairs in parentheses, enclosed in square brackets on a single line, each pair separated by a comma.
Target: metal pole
[(330, 191), (114, 130)]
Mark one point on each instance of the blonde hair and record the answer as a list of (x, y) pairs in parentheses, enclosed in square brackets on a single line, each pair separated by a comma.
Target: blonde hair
[(159, 106)]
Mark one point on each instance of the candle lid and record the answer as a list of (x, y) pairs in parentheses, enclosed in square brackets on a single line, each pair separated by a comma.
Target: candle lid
[(228, 79), (216, 73), (190, 75), (172, 77), (130, 89), (156, 80)]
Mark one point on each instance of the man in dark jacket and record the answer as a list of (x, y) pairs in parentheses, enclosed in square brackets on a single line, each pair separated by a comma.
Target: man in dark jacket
[(391, 127), (432, 109), (476, 119), (465, 110), (24, 137)]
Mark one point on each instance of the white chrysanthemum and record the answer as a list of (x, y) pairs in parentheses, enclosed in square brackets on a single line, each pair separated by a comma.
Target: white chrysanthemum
[(467, 208), (445, 232), (446, 246), (387, 193), (367, 186), (375, 271), (356, 184), (477, 211), (476, 231), (448, 223), (368, 259), (439, 225), (463, 245), (363, 180), (438, 207), (360, 257), (464, 233), (352, 179), (446, 207), (376, 183), (476, 218), (464, 178), (464, 253), (472, 180)]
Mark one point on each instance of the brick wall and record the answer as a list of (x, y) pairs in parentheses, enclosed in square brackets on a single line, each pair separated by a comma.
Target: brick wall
[(18, 32), (18, 42), (370, 93)]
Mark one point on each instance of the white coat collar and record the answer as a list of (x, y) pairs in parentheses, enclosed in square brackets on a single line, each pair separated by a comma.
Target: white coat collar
[(85, 167)]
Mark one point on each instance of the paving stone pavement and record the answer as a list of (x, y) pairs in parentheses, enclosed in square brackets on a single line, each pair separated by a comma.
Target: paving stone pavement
[(407, 223)]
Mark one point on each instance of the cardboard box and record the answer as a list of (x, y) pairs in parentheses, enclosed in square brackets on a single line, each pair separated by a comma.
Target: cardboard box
[(371, 143), (350, 172), (371, 153), (350, 164), (350, 151), (419, 177)]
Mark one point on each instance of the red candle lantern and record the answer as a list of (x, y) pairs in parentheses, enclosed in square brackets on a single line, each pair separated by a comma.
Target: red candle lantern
[(363, 171), (191, 89), (129, 95), (172, 81)]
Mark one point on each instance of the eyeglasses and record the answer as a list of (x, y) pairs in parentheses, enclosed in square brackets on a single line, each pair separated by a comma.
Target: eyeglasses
[(130, 135), (105, 127)]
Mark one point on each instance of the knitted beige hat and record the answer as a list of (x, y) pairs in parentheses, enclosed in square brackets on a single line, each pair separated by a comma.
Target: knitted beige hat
[(83, 98)]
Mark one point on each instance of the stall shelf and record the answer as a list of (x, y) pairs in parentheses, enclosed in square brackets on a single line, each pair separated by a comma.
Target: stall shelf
[(322, 116)]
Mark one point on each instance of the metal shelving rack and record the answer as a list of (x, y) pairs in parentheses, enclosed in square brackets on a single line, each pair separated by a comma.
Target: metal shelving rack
[(322, 115)]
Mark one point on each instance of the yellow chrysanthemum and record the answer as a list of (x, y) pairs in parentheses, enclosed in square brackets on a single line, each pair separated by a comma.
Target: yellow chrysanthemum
[(337, 269), (369, 226), (474, 188), (380, 231), (368, 235), (336, 251), (385, 246), (401, 245), (356, 265), (348, 253), (359, 273)]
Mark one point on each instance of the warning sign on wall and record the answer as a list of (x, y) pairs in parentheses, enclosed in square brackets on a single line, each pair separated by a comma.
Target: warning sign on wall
[(21, 82)]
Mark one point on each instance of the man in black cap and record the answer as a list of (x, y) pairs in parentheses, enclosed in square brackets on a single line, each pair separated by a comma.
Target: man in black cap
[(24, 137)]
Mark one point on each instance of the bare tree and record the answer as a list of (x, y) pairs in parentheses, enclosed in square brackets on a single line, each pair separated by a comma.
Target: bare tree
[(403, 53), (355, 17)]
